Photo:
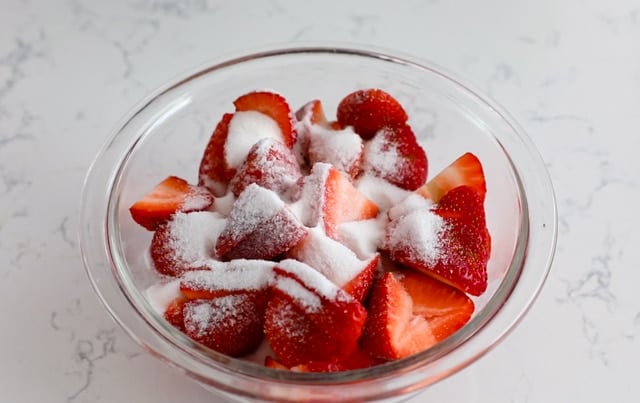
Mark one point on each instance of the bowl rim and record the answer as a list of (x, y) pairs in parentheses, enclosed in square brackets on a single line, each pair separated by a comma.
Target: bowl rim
[(441, 350)]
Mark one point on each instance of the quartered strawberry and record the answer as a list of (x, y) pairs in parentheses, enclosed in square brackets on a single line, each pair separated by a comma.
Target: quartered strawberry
[(449, 241), (273, 105), (341, 148), (465, 170), (260, 226), (369, 111), (170, 196), (329, 314), (186, 242), (271, 165), (446, 308), (232, 324), (226, 278), (214, 173), (174, 315), (332, 199), (392, 330), (336, 262), (394, 154), (313, 113)]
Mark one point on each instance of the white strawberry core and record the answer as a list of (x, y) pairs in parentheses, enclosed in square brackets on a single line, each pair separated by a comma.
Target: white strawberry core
[(245, 129)]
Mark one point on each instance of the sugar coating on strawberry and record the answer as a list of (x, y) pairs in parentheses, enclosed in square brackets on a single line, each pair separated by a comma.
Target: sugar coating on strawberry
[(245, 129), (363, 237), (334, 260), (240, 275), (260, 226), (341, 148), (271, 165), (230, 324), (273, 105), (395, 155), (170, 196), (186, 242), (161, 294), (370, 110)]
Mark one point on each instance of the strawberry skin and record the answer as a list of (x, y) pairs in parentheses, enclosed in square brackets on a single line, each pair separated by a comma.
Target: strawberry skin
[(170, 196), (465, 170), (445, 308), (370, 110), (231, 324), (394, 154), (173, 313), (392, 330), (214, 172), (273, 105)]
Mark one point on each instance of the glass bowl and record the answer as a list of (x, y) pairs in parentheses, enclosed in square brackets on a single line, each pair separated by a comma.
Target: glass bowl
[(167, 133)]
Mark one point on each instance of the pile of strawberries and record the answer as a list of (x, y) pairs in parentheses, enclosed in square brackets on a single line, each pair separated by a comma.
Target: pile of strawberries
[(285, 241)]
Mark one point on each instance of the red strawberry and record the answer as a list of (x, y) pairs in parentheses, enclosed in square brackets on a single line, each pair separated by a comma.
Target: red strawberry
[(394, 154), (171, 195), (214, 173), (337, 315), (173, 314), (450, 242), (446, 308), (341, 148), (357, 360), (186, 242), (232, 324), (271, 165), (336, 262), (226, 278), (465, 170), (260, 226), (273, 105), (369, 111), (392, 330), (332, 199), (313, 112)]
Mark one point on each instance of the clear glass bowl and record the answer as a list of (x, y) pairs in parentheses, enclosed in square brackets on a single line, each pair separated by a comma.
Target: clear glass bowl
[(167, 133)]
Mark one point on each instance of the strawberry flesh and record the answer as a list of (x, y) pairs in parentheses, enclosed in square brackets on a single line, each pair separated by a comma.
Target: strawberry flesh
[(273, 105), (464, 170), (170, 196), (214, 173)]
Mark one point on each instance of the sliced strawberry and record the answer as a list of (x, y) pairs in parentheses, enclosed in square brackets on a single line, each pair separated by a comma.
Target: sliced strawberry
[(313, 113), (170, 196), (336, 262), (341, 148), (273, 105), (260, 226), (331, 199), (336, 314), (214, 173), (271, 165), (446, 308), (394, 154), (369, 111), (232, 324), (174, 315), (392, 330), (449, 241), (292, 336), (186, 242), (465, 170), (226, 278)]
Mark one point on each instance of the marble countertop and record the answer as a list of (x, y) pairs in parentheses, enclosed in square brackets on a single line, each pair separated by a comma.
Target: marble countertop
[(569, 71)]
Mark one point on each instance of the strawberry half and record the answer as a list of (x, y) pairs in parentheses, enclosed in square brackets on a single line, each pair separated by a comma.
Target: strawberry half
[(370, 110), (465, 170), (449, 241), (170, 196), (392, 330), (214, 173), (394, 154), (273, 105), (231, 324), (260, 226), (186, 242), (271, 165), (445, 308), (334, 313)]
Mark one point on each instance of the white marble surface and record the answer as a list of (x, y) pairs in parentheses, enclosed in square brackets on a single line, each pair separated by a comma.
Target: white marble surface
[(569, 71)]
